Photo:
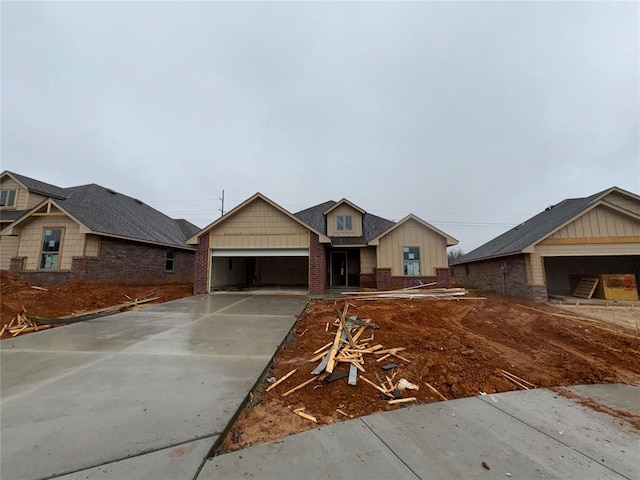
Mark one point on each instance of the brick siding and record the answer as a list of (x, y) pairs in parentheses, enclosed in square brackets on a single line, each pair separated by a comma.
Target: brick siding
[(317, 265), (367, 280), (506, 275), (120, 261), (202, 265)]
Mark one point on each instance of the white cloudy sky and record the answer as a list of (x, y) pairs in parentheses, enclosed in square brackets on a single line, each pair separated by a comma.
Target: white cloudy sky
[(472, 115)]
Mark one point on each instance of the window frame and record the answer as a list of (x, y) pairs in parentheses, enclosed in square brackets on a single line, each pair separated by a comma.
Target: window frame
[(44, 252), (415, 261), (11, 194), (344, 223), (170, 258)]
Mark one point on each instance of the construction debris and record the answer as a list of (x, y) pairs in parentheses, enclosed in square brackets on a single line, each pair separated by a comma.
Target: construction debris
[(22, 324), (410, 293), (350, 345)]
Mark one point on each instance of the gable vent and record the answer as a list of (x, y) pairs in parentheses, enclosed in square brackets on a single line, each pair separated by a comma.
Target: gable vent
[(112, 192)]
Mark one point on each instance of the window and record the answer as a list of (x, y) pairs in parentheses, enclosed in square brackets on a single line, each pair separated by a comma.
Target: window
[(344, 222), (7, 198), (171, 258), (411, 257), (50, 249)]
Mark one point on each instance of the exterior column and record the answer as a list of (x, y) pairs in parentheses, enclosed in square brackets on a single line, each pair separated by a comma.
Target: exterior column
[(202, 265)]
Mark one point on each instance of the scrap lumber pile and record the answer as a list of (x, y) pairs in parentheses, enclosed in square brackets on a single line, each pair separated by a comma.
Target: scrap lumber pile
[(353, 344), (22, 324), (410, 293)]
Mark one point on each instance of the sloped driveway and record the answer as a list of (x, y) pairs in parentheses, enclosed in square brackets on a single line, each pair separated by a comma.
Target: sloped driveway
[(141, 394)]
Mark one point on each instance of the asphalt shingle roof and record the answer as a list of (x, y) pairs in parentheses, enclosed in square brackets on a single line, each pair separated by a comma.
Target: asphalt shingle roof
[(37, 186), (105, 211), (518, 238), (372, 225)]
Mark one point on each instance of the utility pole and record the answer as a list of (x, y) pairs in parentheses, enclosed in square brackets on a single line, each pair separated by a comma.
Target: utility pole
[(222, 200)]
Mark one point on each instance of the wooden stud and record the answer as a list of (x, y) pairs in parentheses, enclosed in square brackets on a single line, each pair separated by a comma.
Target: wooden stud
[(282, 379), (322, 349), (383, 358), (300, 413), (334, 350)]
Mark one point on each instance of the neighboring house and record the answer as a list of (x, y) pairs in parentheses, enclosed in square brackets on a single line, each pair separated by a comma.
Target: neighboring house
[(52, 235), (548, 253), (334, 244)]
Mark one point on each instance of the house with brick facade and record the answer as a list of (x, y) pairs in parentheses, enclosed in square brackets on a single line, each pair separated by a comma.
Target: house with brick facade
[(549, 253), (331, 245), (52, 235)]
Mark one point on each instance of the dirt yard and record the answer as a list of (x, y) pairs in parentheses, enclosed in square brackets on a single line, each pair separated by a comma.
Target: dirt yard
[(74, 298), (459, 347)]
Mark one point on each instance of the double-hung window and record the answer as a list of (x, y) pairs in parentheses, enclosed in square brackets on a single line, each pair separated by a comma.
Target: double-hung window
[(344, 223), (7, 198), (411, 260), (170, 260), (50, 255)]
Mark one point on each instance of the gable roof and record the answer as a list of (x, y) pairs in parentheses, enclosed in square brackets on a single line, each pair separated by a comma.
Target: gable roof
[(372, 225), (344, 201), (450, 240), (36, 186), (194, 238), (537, 228), (104, 211)]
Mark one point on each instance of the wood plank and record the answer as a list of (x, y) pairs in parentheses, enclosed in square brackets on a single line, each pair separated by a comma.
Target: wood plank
[(331, 359), (282, 379), (438, 394), (366, 380), (323, 348), (402, 400), (302, 385), (300, 413)]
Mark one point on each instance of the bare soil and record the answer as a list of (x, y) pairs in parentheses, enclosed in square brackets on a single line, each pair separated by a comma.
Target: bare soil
[(459, 347), (71, 298)]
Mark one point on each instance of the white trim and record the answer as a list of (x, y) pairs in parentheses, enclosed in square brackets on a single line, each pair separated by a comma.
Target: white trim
[(261, 252)]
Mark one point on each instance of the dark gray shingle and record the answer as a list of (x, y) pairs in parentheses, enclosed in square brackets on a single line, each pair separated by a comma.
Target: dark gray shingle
[(519, 237), (37, 186)]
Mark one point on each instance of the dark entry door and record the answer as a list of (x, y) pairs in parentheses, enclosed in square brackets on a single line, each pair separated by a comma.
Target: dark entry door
[(339, 269)]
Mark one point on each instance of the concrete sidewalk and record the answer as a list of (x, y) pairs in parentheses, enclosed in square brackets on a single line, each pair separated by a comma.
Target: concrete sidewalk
[(519, 435), (142, 394)]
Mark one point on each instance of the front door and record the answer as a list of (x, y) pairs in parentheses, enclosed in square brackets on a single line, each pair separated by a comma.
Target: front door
[(339, 269)]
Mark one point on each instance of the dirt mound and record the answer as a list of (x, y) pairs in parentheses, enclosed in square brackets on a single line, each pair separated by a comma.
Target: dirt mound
[(459, 347), (73, 298)]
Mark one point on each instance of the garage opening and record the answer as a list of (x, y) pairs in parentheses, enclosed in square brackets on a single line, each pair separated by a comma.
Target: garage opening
[(252, 269), (563, 273)]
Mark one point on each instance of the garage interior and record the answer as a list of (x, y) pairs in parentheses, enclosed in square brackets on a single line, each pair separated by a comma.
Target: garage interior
[(251, 271), (564, 273)]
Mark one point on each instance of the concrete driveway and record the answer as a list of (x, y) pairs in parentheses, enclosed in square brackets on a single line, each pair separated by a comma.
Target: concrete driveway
[(142, 394)]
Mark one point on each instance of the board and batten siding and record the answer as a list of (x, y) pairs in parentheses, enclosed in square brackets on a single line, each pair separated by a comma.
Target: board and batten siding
[(599, 222), (433, 248), (259, 225), (8, 249), (344, 209), (31, 234), (367, 259), (92, 246)]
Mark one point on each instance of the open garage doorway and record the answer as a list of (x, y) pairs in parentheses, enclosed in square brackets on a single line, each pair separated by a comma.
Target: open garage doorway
[(562, 274), (259, 269)]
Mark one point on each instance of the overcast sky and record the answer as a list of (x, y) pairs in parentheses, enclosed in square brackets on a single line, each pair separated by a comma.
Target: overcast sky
[(474, 116)]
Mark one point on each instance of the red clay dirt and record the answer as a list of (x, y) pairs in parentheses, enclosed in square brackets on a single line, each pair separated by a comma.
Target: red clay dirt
[(458, 347), (72, 298)]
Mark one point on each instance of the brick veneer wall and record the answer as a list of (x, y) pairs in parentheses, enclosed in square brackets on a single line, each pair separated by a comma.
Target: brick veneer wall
[(383, 280), (488, 275), (367, 280), (120, 261), (317, 265), (202, 263)]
